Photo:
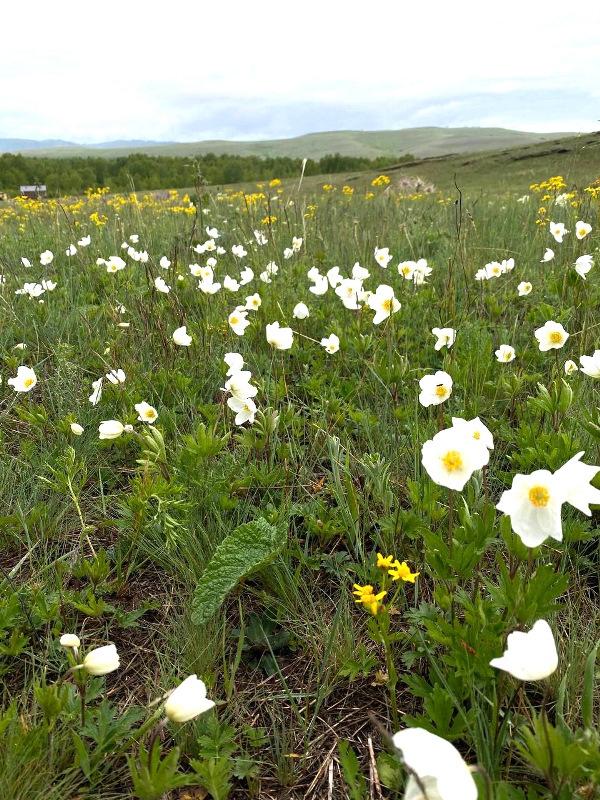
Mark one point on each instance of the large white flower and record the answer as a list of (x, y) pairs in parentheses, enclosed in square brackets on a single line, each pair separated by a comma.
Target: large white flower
[(438, 765), (238, 322), (161, 286), (321, 284), (102, 660), (181, 337), (188, 700), (451, 457), (234, 361), (435, 388), (279, 338), (230, 284), (24, 381), (246, 275), (582, 229), (46, 258), (551, 336), (348, 290), (110, 429), (505, 353), (445, 337), (575, 478), (253, 302), (238, 251), (334, 277), (533, 504), (529, 656), (548, 255), (590, 365), (383, 303), (524, 288), (558, 230), (115, 376)]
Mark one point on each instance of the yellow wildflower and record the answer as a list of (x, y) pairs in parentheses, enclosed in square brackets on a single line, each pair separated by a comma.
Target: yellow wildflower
[(401, 571), (364, 595), (384, 563)]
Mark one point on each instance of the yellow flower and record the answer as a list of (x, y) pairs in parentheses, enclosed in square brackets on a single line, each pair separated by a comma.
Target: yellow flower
[(401, 571), (275, 182), (364, 595), (384, 563)]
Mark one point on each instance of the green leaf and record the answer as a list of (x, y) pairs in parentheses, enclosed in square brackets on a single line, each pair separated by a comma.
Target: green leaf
[(587, 698), (244, 551)]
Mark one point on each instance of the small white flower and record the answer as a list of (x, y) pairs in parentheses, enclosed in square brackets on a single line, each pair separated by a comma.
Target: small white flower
[(164, 262), (24, 381), (407, 269), (239, 385), (300, 311), (245, 409), (95, 396), (334, 277), (230, 284), (445, 336), (48, 285), (25, 261), (590, 365), (548, 255), (505, 353), (234, 361), (383, 303), (134, 238), (161, 286), (212, 233), (359, 273), (571, 367), (582, 229), (524, 288), (84, 241), (583, 265), (246, 275), (435, 388), (551, 336), (451, 457), (76, 430), (46, 257), (321, 285), (71, 250), (114, 264), (296, 243), (253, 302), (146, 412), (260, 237), (110, 429), (181, 337), (382, 256), (331, 344), (558, 230), (116, 376), (529, 656), (533, 504), (279, 338), (188, 700), (238, 322), (102, 660), (70, 640), (239, 251)]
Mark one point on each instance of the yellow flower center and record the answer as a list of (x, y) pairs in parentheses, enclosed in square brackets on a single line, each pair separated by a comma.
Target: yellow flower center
[(452, 460), (539, 496), (28, 382), (405, 270), (556, 337), (150, 413), (441, 390), (477, 435), (234, 320), (387, 304)]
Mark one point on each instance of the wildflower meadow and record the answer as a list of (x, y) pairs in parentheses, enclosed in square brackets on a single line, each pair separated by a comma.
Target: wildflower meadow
[(301, 493)]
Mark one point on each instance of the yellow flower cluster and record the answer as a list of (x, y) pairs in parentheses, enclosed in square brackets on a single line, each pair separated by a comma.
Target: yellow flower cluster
[(268, 220), (554, 184), (366, 596), (274, 182), (395, 569), (347, 190), (380, 180)]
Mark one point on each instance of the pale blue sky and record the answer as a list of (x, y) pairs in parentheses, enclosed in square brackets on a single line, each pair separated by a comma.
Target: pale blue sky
[(188, 71)]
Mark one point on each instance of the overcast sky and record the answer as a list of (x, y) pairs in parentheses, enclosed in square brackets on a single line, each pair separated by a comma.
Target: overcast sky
[(189, 70)]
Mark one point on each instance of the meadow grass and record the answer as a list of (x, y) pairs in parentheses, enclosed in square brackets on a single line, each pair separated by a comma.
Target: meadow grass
[(119, 540)]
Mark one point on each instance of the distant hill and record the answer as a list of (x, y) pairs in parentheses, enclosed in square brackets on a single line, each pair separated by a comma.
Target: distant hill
[(421, 142)]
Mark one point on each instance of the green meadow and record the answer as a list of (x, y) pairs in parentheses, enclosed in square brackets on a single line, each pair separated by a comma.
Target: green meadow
[(309, 526)]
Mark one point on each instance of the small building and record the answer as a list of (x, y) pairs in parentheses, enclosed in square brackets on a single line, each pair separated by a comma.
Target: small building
[(33, 192)]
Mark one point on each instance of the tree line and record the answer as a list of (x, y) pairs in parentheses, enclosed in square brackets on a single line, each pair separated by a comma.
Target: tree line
[(138, 171)]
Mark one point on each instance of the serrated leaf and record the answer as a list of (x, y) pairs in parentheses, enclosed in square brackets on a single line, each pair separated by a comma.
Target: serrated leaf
[(245, 550)]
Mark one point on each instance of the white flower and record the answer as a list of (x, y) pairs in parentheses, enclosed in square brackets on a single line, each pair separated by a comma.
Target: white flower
[(213, 233), (583, 265), (571, 367), (438, 765), (146, 412), (102, 660), (524, 288), (208, 287), (48, 285), (533, 504), (383, 303), (548, 255), (551, 336), (407, 269), (181, 337), (582, 229), (84, 241), (20, 346), (239, 385), (279, 338), (134, 238), (493, 269), (25, 380), (116, 376), (197, 271), (296, 243), (246, 275), (238, 251), (46, 257), (110, 429), (451, 457), (435, 388), (529, 656), (563, 199), (161, 286), (505, 353), (253, 302), (446, 337), (300, 311), (114, 264), (188, 700), (508, 264), (76, 430), (590, 365), (331, 344), (481, 274), (334, 277), (71, 250), (95, 396), (245, 409), (260, 237), (321, 285), (360, 273), (234, 361), (382, 256), (265, 277), (230, 284), (288, 252), (143, 257), (348, 290), (220, 251), (238, 322), (421, 270), (164, 262), (557, 229), (575, 479), (70, 640), (31, 289), (475, 429), (25, 261)]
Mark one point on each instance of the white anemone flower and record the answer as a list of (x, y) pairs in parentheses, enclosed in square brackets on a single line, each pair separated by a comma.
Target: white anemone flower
[(382, 256), (505, 353), (146, 412), (110, 429), (551, 336), (76, 430), (475, 429), (114, 264), (24, 381), (445, 337), (116, 376), (102, 660), (348, 290), (296, 243), (451, 457), (230, 284), (96, 394), (208, 287), (161, 286), (407, 269), (300, 311), (234, 361), (435, 388), (583, 265), (582, 229), (438, 765), (134, 238), (196, 270), (246, 276), (571, 367), (239, 251), (25, 261), (71, 250), (245, 410), (238, 322), (383, 303), (331, 343), (239, 385), (534, 504), (212, 232), (590, 365), (46, 258), (261, 239), (360, 273), (279, 338), (188, 700), (529, 656), (164, 262), (558, 230), (576, 478), (321, 285), (84, 241), (334, 277), (524, 288), (181, 337), (253, 302), (548, 256)]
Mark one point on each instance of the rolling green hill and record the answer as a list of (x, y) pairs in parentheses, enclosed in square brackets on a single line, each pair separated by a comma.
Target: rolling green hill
[(421, 142)]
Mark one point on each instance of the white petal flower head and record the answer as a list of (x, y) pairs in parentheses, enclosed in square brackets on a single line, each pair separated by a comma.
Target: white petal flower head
[(421, 270), (360, 273), (348, 290), (334, 277), (116, 376), (71, 250), (279, 338), (143, 257), (590, 365), (146, 412), (529, 656), (196, 270), (551, 336), (181, 337), (246, 276), (238, 251), (114, 264), (134, 238), (230, 284), (208, 287), (164, 262), (77, 429), (576, 478), (253, 302), (239, 385), (481, 274), (96, 394), (571, 367), (24, 381), (524, 288), (508, 264), (300, 311), (102, 660), (161, 286), (583, 265), (493, 269), (505, 353), (288, 252), (212, 232), (188, 700), (320, 286), (407, 269), (382, 256), (238, 322), (331, 343), (450, 458), (46, 258), (383, 303), (84, 241), (234, 361), (265, 277), (313, 274), (110, 429), (558, 230), (475, 429), (548, 255), (438, 765), (245, 409), (435, 388), (70, 640), (534, 504), (25, 261), (582, 229), (48, 285), (445, 337), (296, 243), (260, 237)]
